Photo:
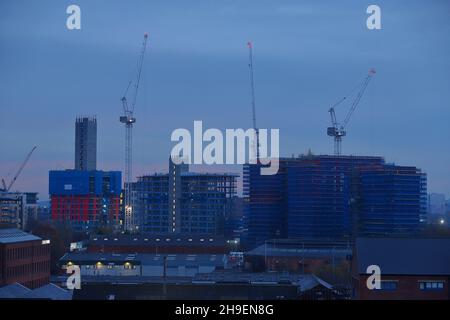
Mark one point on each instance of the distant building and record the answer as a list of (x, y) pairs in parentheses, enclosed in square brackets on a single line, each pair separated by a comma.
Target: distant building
[(85, 199), (436, 204), (17, 209), (86, 143), (233, 221), (332, 198), (24, 258), (44, 212), (411, 268), (184, 202)]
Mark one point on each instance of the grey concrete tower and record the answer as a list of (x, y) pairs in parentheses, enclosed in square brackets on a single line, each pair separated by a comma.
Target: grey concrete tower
[(86, 143)]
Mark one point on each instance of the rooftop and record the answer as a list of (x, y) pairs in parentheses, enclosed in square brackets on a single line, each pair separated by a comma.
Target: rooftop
[(50, 292), (13, 290), (288, 250), (304, 281), (12, 235), (157, 240), (172, 260), (404, 256)]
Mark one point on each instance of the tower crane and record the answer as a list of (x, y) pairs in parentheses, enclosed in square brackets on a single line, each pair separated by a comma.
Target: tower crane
[(338, 130), (128, 119), (19, 171), (252, 91)]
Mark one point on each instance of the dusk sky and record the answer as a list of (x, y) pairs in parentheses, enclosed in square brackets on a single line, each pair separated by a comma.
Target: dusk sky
[(307, 55)]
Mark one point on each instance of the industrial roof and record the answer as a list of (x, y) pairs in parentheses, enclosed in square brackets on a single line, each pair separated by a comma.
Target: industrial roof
[(12, 235), (304, 281), (404, 256), (49, 292), (290, 251), (13, 290), (84, 257), (157, 240), (145, 259)]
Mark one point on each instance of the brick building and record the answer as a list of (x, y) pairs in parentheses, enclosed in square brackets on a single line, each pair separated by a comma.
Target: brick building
[(289, 255), (411, 268), (24, 258)]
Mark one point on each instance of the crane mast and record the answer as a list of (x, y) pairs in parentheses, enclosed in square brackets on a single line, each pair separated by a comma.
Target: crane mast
[(252, 91), (337, 130), (128, 119)]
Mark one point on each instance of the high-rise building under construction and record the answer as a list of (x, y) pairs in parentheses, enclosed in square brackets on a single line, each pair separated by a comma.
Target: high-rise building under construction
[(332, 198), (86, 143)]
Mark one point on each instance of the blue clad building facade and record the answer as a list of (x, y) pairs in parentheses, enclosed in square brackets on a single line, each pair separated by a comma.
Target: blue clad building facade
[(85, 199), (332, 198)]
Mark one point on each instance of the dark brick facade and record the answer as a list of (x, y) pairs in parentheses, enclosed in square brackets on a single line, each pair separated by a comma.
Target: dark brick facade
[(408, 288), (26, 262)]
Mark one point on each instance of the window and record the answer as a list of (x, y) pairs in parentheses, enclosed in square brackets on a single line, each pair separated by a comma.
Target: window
[(431, 285), (389, 285)]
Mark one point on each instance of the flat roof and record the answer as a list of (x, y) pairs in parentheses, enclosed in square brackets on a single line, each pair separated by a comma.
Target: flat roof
[(162, 240), (13, 235), (404, 256), (290, 251), (146, 259), (304, 281)]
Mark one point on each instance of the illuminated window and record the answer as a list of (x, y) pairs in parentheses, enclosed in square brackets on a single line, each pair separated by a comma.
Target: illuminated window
[(388, 285), (431, 285)]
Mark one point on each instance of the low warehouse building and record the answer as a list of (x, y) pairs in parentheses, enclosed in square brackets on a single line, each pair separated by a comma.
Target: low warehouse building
[(158, 244), (142, 264)]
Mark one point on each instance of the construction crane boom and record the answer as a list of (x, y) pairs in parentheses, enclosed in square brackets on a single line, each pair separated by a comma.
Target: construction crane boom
[(252, 90), (338, 131), (358, 97), (19, 171), (128, 119)]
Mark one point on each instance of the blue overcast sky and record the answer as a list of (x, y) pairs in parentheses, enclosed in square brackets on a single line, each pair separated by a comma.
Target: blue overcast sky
[(307, 54)]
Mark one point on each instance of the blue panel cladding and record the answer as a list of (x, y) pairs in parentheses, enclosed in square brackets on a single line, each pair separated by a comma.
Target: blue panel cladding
[(264, 205), (309, 198), (318, 201), (393, 200), (81, 182)]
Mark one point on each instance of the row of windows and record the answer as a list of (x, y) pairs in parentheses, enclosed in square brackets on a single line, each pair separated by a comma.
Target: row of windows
[(28, 269), (431, 285), (389, 285), (26, 252)]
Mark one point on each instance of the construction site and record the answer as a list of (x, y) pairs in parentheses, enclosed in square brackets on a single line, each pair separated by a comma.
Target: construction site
[(87, 198)]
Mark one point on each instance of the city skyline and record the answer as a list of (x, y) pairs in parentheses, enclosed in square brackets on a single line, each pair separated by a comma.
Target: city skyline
[(306, 57)]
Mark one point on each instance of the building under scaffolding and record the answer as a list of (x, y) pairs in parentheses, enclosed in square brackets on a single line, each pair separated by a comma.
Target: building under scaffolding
[(332, 198), (184, 202)]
